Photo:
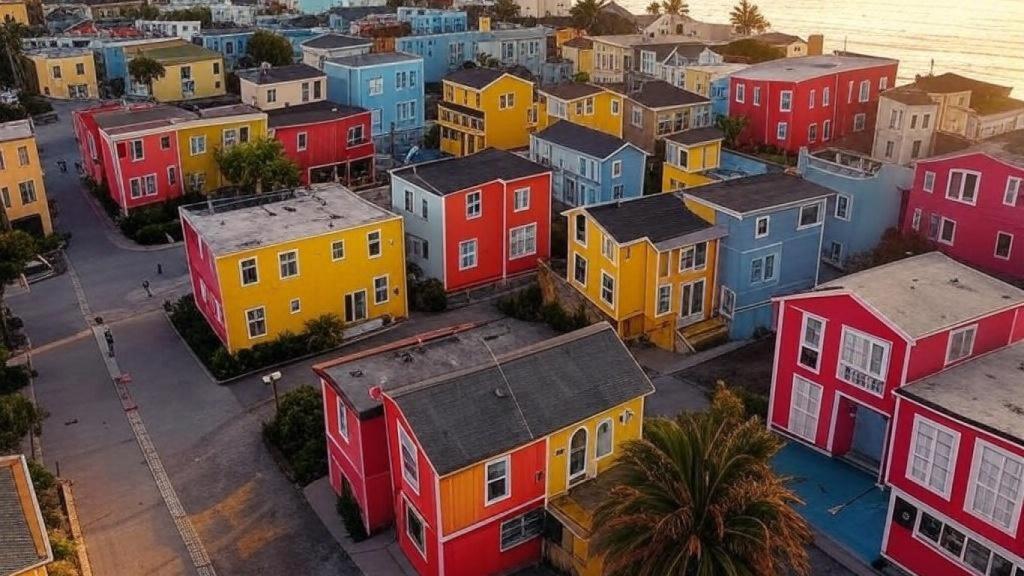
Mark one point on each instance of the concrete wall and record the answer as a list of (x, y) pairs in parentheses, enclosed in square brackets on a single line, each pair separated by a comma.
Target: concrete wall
[(556, 288)]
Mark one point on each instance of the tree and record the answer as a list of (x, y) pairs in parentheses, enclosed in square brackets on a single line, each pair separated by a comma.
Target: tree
[(581, 77), (16, 249), (18, 417), (751, 51), (144, 70), (298, 431), (585, 14), (675, 7), (505, 10), (698, 496), (258, 165), (11, 34), (746, 18), (654, 9), (265, 46), (731, 127), (144, 12), (200, 13)]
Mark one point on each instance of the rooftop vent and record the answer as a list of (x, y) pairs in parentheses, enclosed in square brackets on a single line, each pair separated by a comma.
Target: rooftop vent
[(357, 373), (500, 392)]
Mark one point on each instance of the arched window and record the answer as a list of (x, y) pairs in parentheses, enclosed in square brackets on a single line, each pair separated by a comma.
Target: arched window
[(578, 455), (604, 438)]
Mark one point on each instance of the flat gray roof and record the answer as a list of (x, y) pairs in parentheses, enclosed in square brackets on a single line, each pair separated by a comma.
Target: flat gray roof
[(244, 223), (985, 392), (15, 130), (807, 67), (113, 121), (926, 293)]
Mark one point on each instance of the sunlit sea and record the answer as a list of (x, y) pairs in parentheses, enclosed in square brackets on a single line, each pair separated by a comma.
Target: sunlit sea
[(983, 39)]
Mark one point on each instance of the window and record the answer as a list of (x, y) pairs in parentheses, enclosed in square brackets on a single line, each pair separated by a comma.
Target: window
[(135, 148), (337, 250), (929, 181), (295, 306), (272, 95), (812, 132), (522, 241), (997, 478), (496, 484), (604, 439), (467, 254), (405, 111), (380, 290), (933, 226), (804, 408), (56, 72), (607, 289), (229, 137), (414, 528), (579, 269), (216, 67), (664, 299), (5, 196), (761, 226), (812, 335), (1012, 191), (916, 222), (825, 96), (581, 229), (521, 199), (963, 186), (810, 215), (741, 93), (693, 257), (616, 168), (578, 455), (966, 550), (863, 361), (302, 139), (355, 306), (883, 83), (762, 269), (80, 68), (785, 100), (28, 191), (289, 263), (376, 86), (859, 122), (947, 231), (522, 528), (473, 204), (636, 117), (355, 135), (915, 149), (618, 191), (408, 200), (373, 244), (608, 248), (961, 343), (424, 208), (615, 107), (249, 273), (197, 145), (256, 322), (889, 145), (342, 419), (933, 456), (811, 98), (165, 142), (1004, 243), (506, 101), (826, 129), (843, 207), (757, 96), (865, 91), (782, 130)]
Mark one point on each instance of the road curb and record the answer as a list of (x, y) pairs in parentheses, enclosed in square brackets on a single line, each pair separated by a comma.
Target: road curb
[(114, 235), (76, 528)]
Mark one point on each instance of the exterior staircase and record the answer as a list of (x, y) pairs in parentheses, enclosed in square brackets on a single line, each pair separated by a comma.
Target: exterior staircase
[(705, 334)]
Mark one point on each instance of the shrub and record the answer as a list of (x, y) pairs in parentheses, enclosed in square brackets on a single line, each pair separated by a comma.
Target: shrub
[(45, 485), (324, 332), (150, 234), (428, 295), (18, 417), (62, 568), (351, 515), (297, 430), (63, 547), (524, 304), (560, 320), (893, 246)]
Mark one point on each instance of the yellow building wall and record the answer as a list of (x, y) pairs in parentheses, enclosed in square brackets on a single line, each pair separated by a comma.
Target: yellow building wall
[(700, 158), (321, 284), (48, 85), (508, 128), (207, 82), (286, 93), (663, 269), (14, 12), (206, 162), (698, 82), (582, 59), (707, 213), (14, 173), (602, 118)]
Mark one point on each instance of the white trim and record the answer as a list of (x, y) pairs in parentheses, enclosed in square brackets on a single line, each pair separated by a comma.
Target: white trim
[(525, 228), (938, 235), (597, 439), (963, 183), (410, 507), (800, 341), (807, 413), (333, 243), (849, 205), (657, 300), (280, 271), (380, 244), (569, 476), (886, 357), (403, 439), (475, 256), (1009, 251), (601, 295), (927, 186), (979, 445), (1016, 192), (767, 226), (248, 323), (387, 289), (586, 270), (973, 329), (821, 216), (342, 413), (241, 270), (507, 479), (947, 488), (479, 204)]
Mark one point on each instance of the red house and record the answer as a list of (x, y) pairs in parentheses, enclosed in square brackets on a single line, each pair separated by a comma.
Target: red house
[(329, 142), (971, 204), (476, 219), (87, 135), (843, 349), (809, 101)]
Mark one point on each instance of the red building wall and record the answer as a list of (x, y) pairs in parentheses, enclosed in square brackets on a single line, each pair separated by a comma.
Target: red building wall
[(85, 125), (976, 226), (326, 143), (478, 551), (929, 353), (202, 267), (156, 161)]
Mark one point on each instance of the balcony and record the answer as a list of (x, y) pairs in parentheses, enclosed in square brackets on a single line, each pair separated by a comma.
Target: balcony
[(859, 378), (843, 163), (571, 517)]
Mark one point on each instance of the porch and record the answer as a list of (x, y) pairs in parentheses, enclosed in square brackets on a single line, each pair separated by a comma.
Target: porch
[(569, 528)]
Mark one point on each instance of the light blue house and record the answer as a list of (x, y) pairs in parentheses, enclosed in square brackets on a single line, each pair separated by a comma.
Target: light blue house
[(867, 201), (111, 60), (588, 166), (390, 85), (443, 53), (718, 92), (232, 43), (433, 20), (775, 225), (340, 18), (299, 35)]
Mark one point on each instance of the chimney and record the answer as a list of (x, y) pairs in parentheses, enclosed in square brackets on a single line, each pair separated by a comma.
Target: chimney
[(485, 24), (815, 44)]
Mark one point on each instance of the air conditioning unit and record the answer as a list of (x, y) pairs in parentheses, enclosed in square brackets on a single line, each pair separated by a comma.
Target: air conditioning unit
[(904, 513)]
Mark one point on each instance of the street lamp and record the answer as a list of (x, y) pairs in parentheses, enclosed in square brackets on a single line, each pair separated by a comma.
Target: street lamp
[(271, 380)]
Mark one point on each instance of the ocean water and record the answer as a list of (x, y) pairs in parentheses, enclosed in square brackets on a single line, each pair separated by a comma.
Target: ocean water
[(983, 39)]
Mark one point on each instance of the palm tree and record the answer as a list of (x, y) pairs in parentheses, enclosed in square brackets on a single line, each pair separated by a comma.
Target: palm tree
[(11, 34), (675, 7), (731, 127), (585, 13), (654, 8), (746, 18), (698, 496)]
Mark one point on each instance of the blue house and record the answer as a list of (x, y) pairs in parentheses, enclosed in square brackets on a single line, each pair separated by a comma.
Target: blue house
[(433, 20), (297, 36), (232, 43), (340, 18), (588, 166), (111, 59), (718, 92), (441, 53), (775, 225), (390, 85), (867, 202)]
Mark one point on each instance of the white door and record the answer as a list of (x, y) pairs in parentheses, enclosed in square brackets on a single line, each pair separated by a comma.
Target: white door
[(691, 305)]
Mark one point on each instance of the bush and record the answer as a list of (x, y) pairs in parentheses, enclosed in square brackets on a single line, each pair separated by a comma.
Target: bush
[(524, 304), (893, 246), (13, 378), (18, 417), (150, 234), (560, 320), (324, 332), (428, 295), (297, 430), (351, 515), (63, 547), (62, 568)]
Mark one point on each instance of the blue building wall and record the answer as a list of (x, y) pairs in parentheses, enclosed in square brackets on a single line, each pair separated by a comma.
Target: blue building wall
[(230, 46), (433, 21), (420, 228), (114, 64), (297, 36), (719, 94), (351, 86), (593, 187), (441, 53)]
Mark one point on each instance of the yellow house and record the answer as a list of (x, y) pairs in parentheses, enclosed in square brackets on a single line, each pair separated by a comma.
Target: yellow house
[(584, 104), (63, 73), (282, 86), (581, 52), (190, 72), (485, 108), (14, 11), (690, 157), (21, 180), (198, 141), (259, 270), (698, 78), (24, 546), (649, 264)]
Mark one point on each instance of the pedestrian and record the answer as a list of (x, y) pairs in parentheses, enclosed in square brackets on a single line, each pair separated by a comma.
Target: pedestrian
[(159, 268), (63, 165), (145, 285), (78, 168), (110, 341)]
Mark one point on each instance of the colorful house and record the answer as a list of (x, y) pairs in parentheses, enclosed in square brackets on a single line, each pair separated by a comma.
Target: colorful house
[(14, 11), (613, 57), (648, 263), (112, 55), (588, 167), (485, 108), (970, 203), (844, 349), (441, 53), (22, 190), (231, 43), (713, 82), (775, 224), (669, 61), (657, 109), (519, 438), (971, 108), (62, 73), (190, 72), (316, 51), (24, 544), (691, 157), (580, 51), (280, 86), (328, 141), (264, 266), (475, 220), (584, 104), (433, 20), (809, 101), (390, 85)]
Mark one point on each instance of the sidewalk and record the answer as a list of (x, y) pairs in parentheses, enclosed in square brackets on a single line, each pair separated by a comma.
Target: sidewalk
[(666, 363), (375, 556)]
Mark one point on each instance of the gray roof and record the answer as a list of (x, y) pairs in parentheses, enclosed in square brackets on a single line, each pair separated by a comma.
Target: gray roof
[(1008, 146), (660, 94), (120, 119), (474, 77), (453, 174), (18, 551), (16, 130), (328, 41), (238, 224), (808, 67), (311, 113), (759, 192), (984, 392), (469, 416), (275, 74), (927, 293), (662, 51), (658, 217), (570, 90), (374, 59), (776, 38), (582, 139), (909, 95), (697, 135)]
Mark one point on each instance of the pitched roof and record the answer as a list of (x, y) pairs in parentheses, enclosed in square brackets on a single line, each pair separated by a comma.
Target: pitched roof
[(178, 53), (660, 94), (571, 90), (580, 42), (23, 541), (759, 192), (909, 95), (808, 67), (328, 41), (275, 74), (311, 113), (658, 217), (1008, 147), (374, 59), (582, 139), (926, 293), (474, 77), (453, 174), (469, 416), (697, 136), (777, 38), (950, 82)]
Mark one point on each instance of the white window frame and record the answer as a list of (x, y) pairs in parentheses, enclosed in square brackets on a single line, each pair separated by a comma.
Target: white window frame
[(942, 225), (370, 242), (463, 255), (387, 289), (756, 96), (301, 141), (741, 92), (138, 151), (334, 250), (241, 271), (658, 300), (958, 195), (409, 509), (616, 168), (342, 413), (295, 306), (883, 374), (782, 131), (608, 301), (928, 185), (281, 264), (474, 205), (845, 216), (506, 478), (527, 249), (808, 414), (579, 217), (805, 344), (864, 93), (860, 122), (979, 446), (915, 222), (784, 105), (947, 487), (405, 443), (1012, 192), (611, 439), (767, 226), (826, 97), (197, 145), (1009, 251), (248, 322), (521, 521), (973, 331), (800, 215), (521, 199)]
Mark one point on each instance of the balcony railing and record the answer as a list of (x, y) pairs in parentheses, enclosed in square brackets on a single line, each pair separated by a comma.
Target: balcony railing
[(862, 379), (844, 164)]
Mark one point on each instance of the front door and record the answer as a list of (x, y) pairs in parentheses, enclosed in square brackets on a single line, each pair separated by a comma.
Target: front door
[(569, 191), (691, 306), (869, 430)]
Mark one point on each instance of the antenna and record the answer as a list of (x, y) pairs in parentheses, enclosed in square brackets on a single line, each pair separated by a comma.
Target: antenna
[(509, 386)]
